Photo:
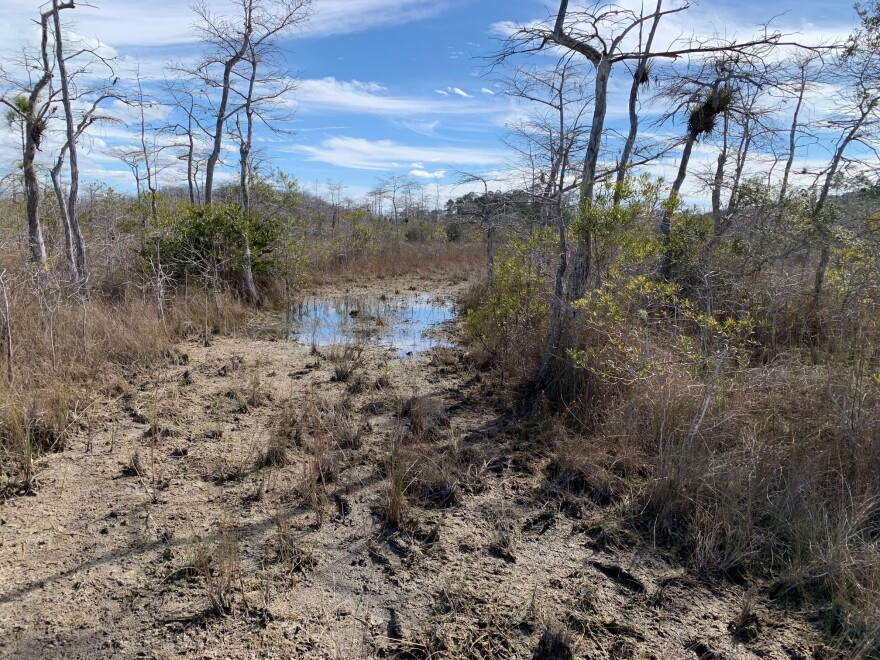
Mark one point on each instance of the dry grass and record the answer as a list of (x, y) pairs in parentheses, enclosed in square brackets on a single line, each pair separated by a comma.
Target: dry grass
[(347, 360), (397, 468), (333, 424), (754, 455), (427, 417), (68, 353), (770, 472), (218, 566), (456, 261)]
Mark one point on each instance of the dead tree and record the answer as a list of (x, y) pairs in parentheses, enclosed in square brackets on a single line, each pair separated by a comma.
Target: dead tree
[(190, 133), (808, 70), (856, 121), (711, 92), (228, 41), (246, 137), (550, 141), (489, 211), (602, 34), (34, 112), (74, 243), (74, 246), (641, 76)]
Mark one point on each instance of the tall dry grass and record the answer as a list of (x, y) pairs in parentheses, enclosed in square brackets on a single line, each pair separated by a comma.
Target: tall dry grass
[(70, 351), (449, 259)]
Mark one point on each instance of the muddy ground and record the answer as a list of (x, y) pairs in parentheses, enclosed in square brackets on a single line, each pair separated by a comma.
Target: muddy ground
[(243, 503)]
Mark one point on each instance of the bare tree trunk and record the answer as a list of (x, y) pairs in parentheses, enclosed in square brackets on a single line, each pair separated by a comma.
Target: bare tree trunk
[(190, 152), (718, 180), (69, 249), (792, 137), (245, 163), (581, 266), (228, 66), (559, 285), (145, 152), (818, 224), (76, 237), (666, 218), (214, 156), (35, 125), (638, 80), (32, 193), (741, 157), (8, 323), (556, 310)]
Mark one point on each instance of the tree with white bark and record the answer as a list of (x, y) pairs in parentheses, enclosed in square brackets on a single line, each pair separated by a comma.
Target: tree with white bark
[(235, 46), (54, 76)]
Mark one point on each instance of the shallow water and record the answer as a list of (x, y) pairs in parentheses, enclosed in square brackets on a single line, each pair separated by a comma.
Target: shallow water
[(404, 322)]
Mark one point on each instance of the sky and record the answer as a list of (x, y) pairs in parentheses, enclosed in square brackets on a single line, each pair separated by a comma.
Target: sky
[(386, 87)]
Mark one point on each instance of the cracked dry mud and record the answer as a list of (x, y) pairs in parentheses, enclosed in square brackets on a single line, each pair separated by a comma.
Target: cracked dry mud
[(167, 490)]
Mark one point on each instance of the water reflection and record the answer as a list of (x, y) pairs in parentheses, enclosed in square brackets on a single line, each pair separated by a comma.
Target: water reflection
[(406, 323)]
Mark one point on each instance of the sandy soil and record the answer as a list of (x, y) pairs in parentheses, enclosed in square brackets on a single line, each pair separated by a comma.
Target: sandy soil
[(160, 532)]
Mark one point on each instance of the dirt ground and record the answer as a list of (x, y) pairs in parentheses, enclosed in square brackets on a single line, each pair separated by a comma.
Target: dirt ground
[(243, 503)]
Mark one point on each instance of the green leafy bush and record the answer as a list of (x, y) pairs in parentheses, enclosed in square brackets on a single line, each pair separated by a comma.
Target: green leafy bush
[(208, 243), (513, 309)]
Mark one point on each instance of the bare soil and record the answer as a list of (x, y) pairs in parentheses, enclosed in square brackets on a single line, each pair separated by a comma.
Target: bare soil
[(166, 496)]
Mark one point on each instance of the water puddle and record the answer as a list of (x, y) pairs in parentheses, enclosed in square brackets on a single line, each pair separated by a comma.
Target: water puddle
[(405, 322)]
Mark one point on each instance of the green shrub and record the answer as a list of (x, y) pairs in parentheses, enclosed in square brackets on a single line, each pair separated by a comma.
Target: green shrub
[(514, 309), (207, 243)]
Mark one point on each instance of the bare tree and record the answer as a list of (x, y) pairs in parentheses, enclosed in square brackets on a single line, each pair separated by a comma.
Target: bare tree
[(229, 41), (396, 189), (245, 139), (808, 68), (712, 91), (33, 104), (74, 243), (856, 121), (550, 140), (334, 190), (640, 77), (189, 133), (602, 33), (489, 210)]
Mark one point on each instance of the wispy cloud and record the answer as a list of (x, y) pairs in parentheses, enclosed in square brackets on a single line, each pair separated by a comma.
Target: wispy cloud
[(168, 23), (347, 16), (359, 153), (373, 98)]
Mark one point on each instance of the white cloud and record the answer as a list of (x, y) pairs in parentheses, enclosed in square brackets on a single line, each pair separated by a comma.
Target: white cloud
[(371, 98), (168, 23), (460, 92), (440, 91), (347, 16), (486, 90), (359, 153), (423, 174)]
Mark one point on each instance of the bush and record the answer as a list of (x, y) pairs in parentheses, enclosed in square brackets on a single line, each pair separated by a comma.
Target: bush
[(513, 310), (207, 243)]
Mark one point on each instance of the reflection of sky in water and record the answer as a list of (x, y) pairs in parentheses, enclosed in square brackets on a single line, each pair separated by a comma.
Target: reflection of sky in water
[(399, 321)]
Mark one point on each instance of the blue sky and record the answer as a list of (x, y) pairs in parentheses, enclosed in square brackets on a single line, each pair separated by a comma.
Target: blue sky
[(388, 87)]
